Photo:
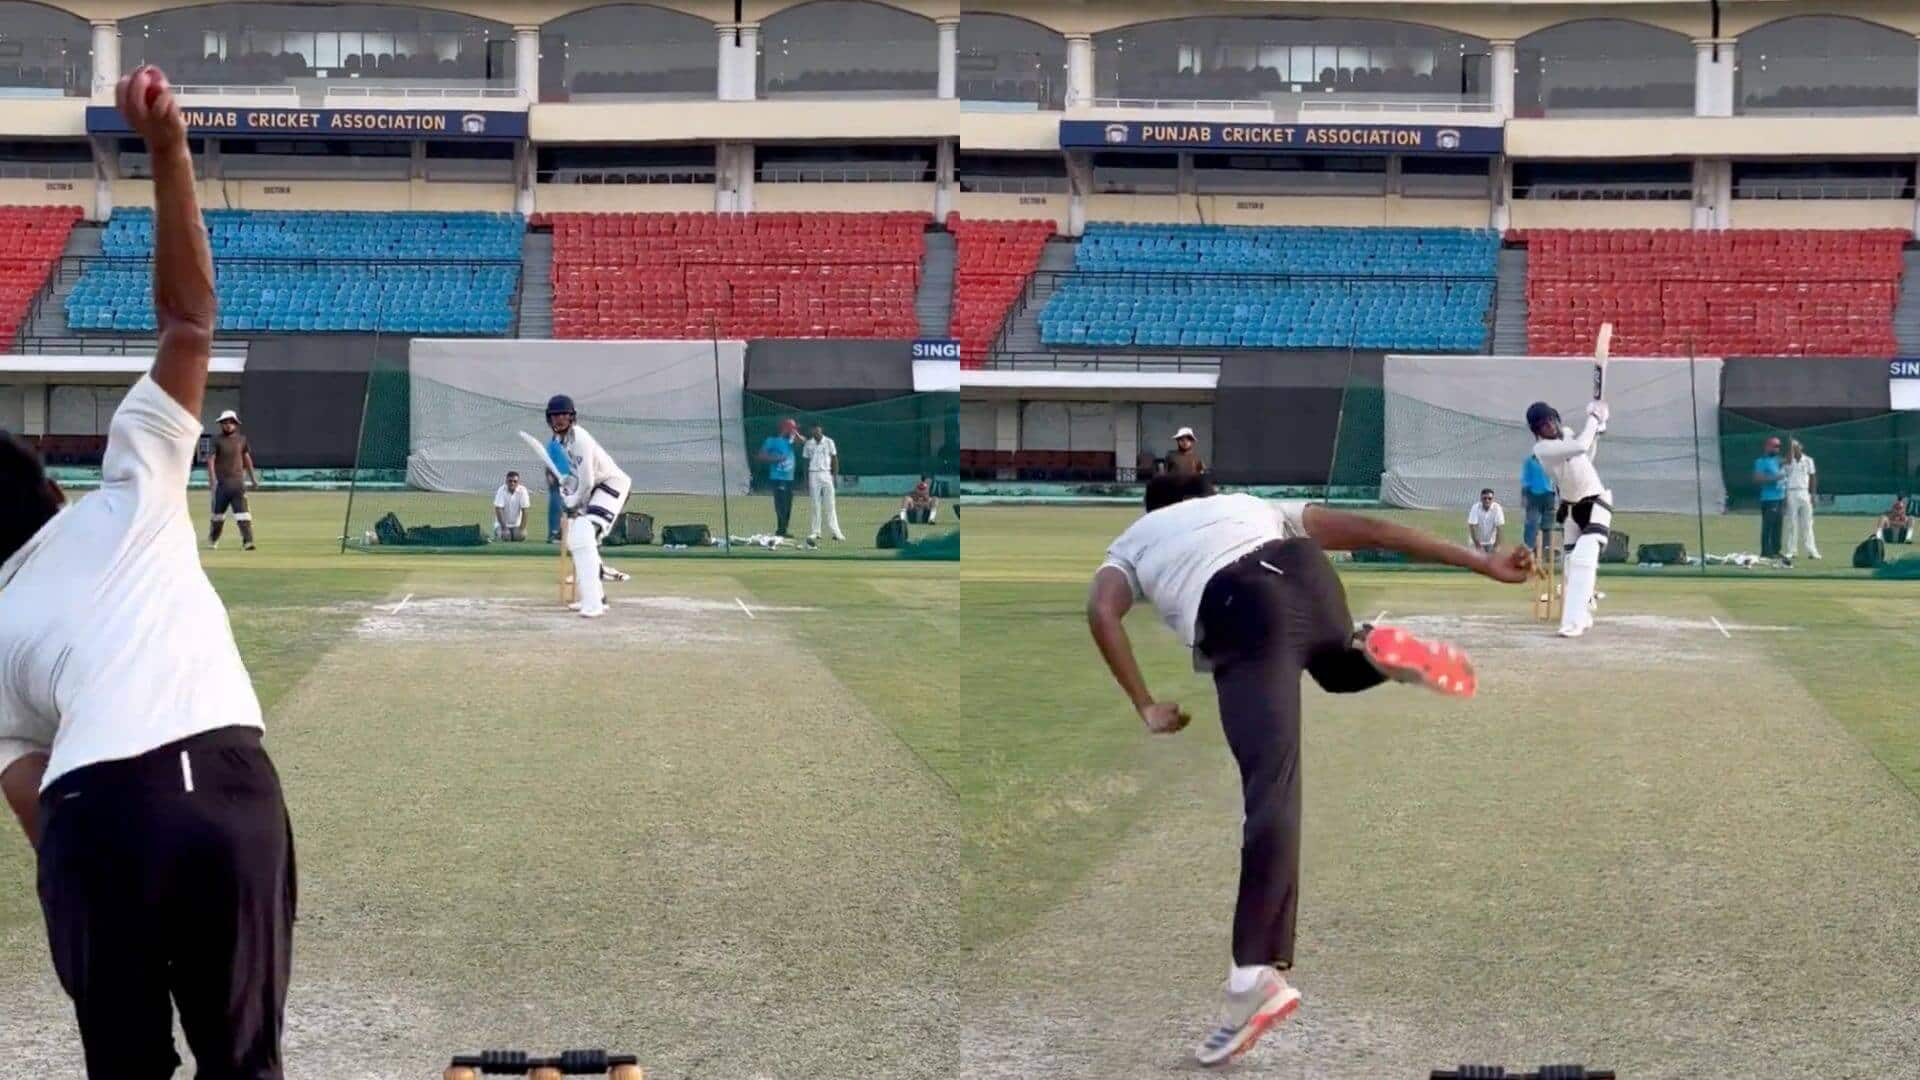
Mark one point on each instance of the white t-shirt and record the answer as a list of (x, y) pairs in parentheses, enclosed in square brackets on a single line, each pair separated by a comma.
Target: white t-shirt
[(592, 465), (1170, 554), (1485, 521), (820, 453), (512, 504), (1798, 475), (112, 641), (1569, 461)]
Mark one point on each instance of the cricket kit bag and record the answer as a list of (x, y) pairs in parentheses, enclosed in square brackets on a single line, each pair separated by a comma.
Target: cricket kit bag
[(1661, 554), (1870, 554), (1616, 549), (632, 527), (892, 534), (686, 536)]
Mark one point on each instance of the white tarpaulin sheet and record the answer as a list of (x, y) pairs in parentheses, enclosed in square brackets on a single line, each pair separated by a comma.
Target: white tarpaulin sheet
[(665, 410), (1456, 424)]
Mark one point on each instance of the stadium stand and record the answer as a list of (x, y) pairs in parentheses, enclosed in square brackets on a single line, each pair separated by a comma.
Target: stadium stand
[(774, 275), (1228, 287), (996, 258), (293, 271), (31, 239), (1749, 292)]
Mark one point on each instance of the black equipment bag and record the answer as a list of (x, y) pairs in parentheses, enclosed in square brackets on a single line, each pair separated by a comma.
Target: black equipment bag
[(1662, 554), (1871, 553), (446, 536), (1616, 549), (388, 530), (632, 527), (892, 534), (686, 536)]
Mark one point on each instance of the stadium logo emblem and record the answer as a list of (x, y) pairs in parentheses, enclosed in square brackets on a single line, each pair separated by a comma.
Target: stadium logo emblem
[(1116, 133), (1447, 139), (473, 124)]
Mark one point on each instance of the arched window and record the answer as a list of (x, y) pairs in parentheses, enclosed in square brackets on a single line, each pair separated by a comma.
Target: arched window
[(837, 48), (1280, 59), (344, 44), (628, 50), (1603, 66), (1825, 64), (1003, 58), (44, 51)]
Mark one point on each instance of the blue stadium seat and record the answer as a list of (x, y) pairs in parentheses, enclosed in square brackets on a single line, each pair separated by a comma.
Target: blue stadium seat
[(1233, 287), (420, 273)]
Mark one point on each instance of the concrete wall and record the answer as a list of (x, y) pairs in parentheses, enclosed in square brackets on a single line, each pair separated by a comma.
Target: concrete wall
[(608, 198), (1560, 214)]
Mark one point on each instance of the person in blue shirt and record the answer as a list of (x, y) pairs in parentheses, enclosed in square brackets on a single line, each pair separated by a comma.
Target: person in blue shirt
[(1773, 498), (777, 453), (1536, 499)]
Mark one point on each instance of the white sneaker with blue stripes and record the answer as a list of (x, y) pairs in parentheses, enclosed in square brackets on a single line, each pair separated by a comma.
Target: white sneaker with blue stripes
[(1248, 1016)]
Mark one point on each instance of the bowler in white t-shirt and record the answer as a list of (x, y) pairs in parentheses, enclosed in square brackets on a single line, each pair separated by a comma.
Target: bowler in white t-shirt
[(1246, 584), (130, 736)]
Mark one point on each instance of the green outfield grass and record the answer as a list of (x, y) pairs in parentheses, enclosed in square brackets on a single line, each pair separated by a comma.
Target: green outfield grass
[(652, 832), (1632, 850)]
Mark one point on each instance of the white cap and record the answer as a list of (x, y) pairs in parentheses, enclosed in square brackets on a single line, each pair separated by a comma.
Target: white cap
[(1184, 433), (228, 415)]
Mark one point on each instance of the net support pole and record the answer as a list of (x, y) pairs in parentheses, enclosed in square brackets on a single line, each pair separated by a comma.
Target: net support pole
[(1699, 495), (720, 434), (366, 401)]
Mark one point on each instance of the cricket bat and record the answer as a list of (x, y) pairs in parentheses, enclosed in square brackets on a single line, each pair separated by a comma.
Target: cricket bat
[(1602, 347), (546, 462)]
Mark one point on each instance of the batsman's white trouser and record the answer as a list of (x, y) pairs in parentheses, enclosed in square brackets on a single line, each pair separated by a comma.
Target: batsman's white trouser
[(1584, 544), (1800, 525), (820, 486), (583, 542)]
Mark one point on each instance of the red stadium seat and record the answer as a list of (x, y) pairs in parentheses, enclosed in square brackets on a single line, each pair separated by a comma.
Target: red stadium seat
[(995, 259), (1762, 292), (31, 241), (743, 275)]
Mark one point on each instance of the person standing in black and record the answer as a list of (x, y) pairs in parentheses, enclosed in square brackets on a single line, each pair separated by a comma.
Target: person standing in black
[(130, 733), (229, 470)]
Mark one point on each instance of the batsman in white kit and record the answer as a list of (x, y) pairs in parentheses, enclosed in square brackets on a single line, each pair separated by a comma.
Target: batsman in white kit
[(594, 491), (1586, 506)]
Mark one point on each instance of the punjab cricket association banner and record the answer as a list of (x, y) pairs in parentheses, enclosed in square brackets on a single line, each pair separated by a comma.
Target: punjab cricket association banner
[(1281, 138), (332, 123), (1903, 384)]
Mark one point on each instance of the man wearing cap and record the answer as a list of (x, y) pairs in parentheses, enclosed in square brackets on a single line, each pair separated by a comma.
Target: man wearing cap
[(1773, 498), (778, 452), (229, 468), (1185, 460)]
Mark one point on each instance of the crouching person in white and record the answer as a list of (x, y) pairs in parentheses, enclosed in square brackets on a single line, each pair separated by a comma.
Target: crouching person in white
[(594, 492), (1586, 507)]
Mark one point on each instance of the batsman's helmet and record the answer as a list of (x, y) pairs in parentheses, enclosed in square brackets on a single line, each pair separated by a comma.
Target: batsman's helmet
[(1539, 413), (560, 403)]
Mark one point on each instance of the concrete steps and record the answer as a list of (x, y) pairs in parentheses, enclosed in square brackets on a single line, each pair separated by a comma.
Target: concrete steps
[(50, 313), (536, 285), (933, 304), (1906, 313), (1510, 304)]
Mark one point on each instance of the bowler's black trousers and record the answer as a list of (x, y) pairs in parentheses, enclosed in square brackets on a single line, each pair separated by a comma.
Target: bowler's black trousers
[(170, 876), (1274, 614)]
